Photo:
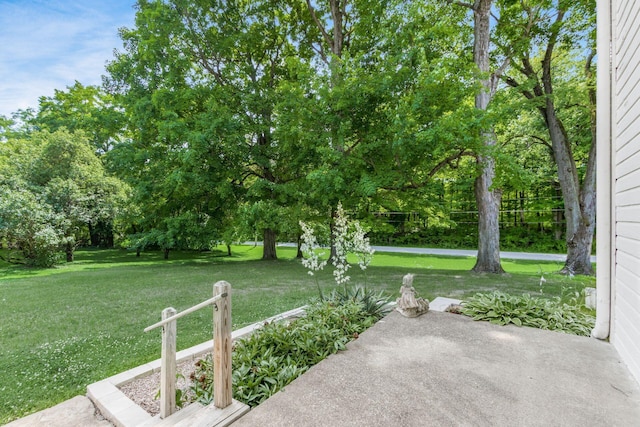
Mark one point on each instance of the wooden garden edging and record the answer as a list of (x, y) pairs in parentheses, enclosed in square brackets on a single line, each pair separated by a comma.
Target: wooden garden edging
[(221, 302)]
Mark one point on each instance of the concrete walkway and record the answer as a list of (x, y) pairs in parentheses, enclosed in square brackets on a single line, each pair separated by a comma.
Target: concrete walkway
[(75, 412), (443, 369)]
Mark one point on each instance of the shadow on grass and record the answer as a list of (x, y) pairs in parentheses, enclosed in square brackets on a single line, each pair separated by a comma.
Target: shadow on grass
[(88, 259), (117, 257)]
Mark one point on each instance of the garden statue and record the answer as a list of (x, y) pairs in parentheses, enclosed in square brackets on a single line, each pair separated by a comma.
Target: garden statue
[(409, 304)]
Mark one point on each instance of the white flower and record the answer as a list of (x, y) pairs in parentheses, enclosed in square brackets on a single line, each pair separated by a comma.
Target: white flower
[(341, 245), (361, 247), (309, 248), (542, 280)]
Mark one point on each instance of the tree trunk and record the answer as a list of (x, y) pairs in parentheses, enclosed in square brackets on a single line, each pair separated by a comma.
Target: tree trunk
[(109, 237), (93, 236), (228, 249), (69, 251), (333, 252), (269, 244), (299, 252), (579, 245), (488, 203), (557, 214), (523, 221), (487, 199), (337, 13), (579, 250), (579, 203), (166, 253)]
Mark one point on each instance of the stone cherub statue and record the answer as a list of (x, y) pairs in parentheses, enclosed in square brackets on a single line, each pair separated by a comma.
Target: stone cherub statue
[(410, 304)]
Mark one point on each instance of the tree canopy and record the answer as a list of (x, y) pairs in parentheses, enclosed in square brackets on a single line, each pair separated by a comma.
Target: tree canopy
[(225, 120)]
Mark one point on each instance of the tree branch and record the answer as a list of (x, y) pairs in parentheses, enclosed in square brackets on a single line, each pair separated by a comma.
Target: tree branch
[(325, 35), (320, 51), (546, 62), (537, 140), (352, 147), (412, 185), (448, 161), (531, 73), (542, 141), (497, 75), (589, 61), (514, 84)]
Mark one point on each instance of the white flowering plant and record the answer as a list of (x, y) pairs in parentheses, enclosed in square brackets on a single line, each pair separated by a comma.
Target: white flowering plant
[(361, 247), (348, 237), (342, 245), (311, 253)]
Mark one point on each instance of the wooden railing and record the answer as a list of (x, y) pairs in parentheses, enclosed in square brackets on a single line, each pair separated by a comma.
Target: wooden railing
[(221, 302)]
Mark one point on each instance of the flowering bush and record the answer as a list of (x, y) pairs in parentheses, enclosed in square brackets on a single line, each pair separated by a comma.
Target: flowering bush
[(31, 225)]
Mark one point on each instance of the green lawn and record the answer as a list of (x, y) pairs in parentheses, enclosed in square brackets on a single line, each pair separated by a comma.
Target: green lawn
[(64, 328)]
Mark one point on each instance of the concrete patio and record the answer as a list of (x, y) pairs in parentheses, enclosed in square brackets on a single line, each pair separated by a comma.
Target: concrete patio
[(443, 369)]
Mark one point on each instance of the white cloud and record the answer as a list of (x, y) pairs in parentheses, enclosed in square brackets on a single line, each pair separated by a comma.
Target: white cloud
[(48, 45)]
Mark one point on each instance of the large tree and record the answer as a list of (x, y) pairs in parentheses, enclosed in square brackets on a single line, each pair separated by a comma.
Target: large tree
[(391, 102), (488, 196), (541, 35), (331, 29), (82, 108), (215, 75), (55, 189)]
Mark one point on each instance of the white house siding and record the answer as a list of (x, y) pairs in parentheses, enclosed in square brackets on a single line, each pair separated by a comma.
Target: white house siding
[(625, 331)]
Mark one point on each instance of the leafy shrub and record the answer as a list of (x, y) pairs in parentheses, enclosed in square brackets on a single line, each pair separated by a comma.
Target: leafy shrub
[(278, 353), (31, 225), (44, 250), (501, 309)]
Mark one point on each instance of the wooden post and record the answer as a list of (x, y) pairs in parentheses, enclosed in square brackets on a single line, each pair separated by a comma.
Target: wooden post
[(168, 366), (222, 392)]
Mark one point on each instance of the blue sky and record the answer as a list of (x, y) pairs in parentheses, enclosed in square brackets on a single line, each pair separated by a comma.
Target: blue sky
[(47, 45)]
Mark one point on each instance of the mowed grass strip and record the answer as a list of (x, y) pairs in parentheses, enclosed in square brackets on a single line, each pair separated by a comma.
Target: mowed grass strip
[(64, 328)]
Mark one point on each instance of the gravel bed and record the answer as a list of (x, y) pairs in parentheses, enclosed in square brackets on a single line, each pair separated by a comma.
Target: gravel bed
[(144, 391)]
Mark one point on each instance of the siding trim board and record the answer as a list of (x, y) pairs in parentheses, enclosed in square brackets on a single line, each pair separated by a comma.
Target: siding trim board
[(623, 96)]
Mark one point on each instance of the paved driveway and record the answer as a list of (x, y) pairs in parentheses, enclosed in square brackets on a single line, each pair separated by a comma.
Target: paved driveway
[(456, 252)]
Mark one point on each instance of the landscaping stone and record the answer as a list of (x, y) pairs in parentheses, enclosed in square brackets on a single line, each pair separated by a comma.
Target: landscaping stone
[(442, 303)]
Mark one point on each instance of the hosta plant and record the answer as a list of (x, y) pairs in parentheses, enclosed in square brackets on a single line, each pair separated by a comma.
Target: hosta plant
[(524, 310), (278, 353)]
